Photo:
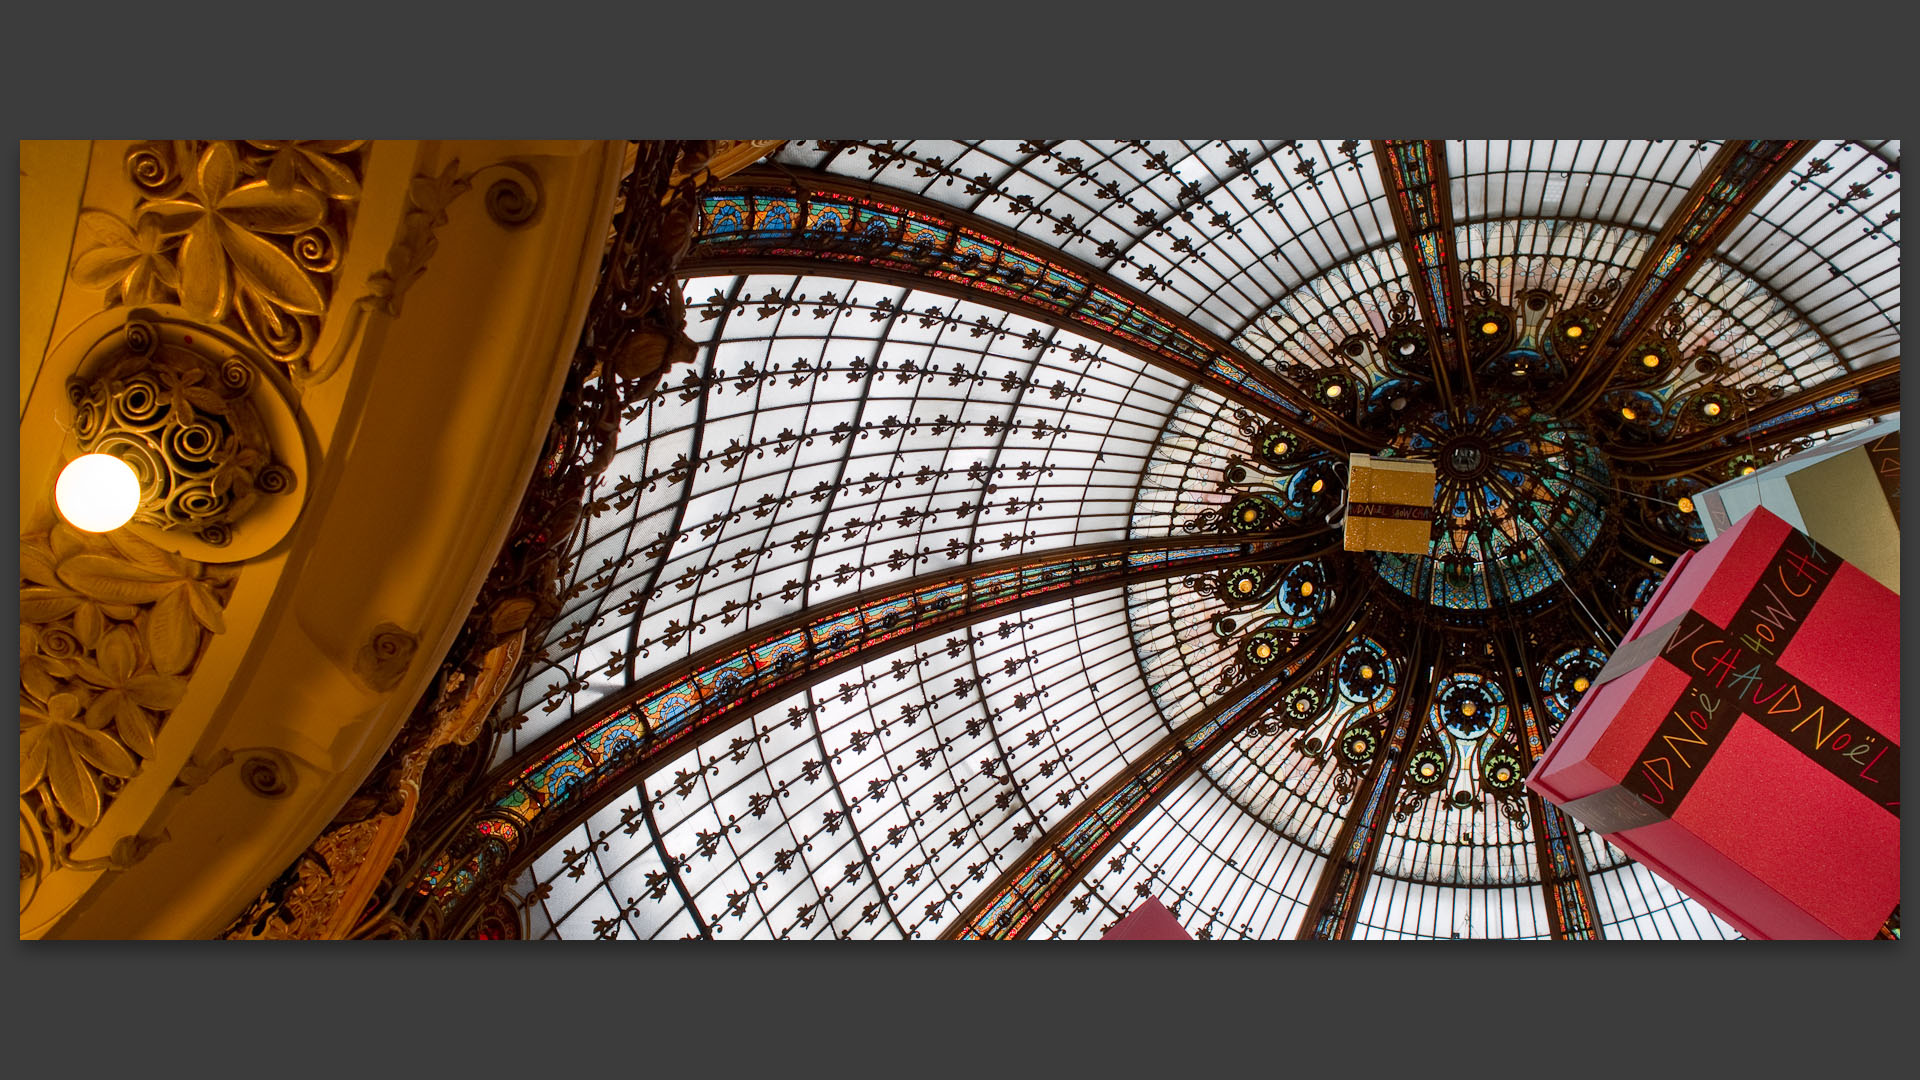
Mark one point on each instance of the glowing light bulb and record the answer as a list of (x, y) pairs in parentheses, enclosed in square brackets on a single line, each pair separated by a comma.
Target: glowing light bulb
[(1281, 447), (1333, 391), (1306, 588), (1575, 330), (1686, 505), (1580, 685), (1366, 671), (97, 492), (1711, 408), (1317, 486), (1489, 327), (1300, 706), (1627, 413), (1651, 360), (1263, 650), (1468, 708), (1747, 471), (1245, 586)]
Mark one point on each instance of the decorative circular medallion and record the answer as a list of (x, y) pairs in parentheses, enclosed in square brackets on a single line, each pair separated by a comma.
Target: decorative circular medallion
[(206, 425)]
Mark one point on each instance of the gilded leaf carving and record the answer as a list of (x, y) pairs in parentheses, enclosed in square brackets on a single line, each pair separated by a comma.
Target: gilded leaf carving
[(242, 233), (111, 628)]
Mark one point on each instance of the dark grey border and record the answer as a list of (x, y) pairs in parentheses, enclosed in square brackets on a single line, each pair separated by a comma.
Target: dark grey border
[(575, 70)]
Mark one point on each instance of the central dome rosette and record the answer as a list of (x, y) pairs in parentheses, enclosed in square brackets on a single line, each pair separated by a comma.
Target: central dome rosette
[(1519, 498)]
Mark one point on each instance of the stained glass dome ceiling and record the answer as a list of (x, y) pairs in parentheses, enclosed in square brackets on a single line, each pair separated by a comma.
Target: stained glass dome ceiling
[(1035, 452)]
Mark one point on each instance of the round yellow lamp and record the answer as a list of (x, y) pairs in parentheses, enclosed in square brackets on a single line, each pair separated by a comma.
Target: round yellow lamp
[(1580, 685), (1575, 330), (1333, 391), (97, 492), (1489, 327), (1651, 360), (1711, 408), (1686, 505)]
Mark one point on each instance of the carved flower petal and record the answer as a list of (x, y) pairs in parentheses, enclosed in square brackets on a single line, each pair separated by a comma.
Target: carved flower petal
[(172, 634), (158, 692), (204, 285), (45, 605), (330, 176), (98, 268), (257, 207), (219, 167), (75, 788), (33, 755), (113, 582), (98, 749), (206, 607), (134, 725), (171, 217), (37, 676), (118, 656), (147, 555), (271, 272), (36, 565), (88, 624)]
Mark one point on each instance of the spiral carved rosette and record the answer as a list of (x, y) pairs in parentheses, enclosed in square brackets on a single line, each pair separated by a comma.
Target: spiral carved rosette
[(204, 420), (184, 421)]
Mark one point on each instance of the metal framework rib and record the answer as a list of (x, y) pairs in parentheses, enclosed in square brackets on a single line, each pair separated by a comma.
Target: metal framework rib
[(1336, 897), (1571, 914), (1415, 175), (1022, 896), (567, 775), (769, 220), (1730, 187)]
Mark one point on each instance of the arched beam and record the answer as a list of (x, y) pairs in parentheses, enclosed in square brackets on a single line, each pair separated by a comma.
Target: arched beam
[(1727, 190), (781, 219), (1414, 173), (1571, 914), (1343, 881), (1022, 896), (565, 776)]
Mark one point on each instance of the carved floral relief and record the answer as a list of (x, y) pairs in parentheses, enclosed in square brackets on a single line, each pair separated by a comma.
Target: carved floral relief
[(247, 234), (111, 628)]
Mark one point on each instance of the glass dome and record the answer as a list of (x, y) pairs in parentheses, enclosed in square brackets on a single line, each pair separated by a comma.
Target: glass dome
[(982, 575)]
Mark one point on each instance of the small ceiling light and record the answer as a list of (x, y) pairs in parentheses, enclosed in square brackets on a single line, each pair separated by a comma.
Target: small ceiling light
[(1711, 408), (1281, 447), (1317, 486), (1249, 514), (1686, 505), (1263, 650), (1306, 588), (1575, 330), (1245, 585), (1746, 470), (1333, 391), (1627, 413), (1366, 671), (1651, 360), (1489, 327), (1467, 708), (1580, 685), (1300, 705), (97, 492), (1407, 348)]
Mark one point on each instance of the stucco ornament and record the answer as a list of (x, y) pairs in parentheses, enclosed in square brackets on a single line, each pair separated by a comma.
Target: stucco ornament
[(242, 233), (111, 628)]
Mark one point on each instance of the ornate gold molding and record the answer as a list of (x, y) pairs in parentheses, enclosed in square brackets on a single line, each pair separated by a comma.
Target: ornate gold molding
[(246, 235), (111, 630)]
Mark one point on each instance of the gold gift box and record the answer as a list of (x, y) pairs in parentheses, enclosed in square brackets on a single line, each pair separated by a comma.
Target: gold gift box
[(1389, 505)]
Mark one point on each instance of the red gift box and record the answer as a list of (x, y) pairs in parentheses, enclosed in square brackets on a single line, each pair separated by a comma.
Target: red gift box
[(1148, 921), (1744, 740)]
